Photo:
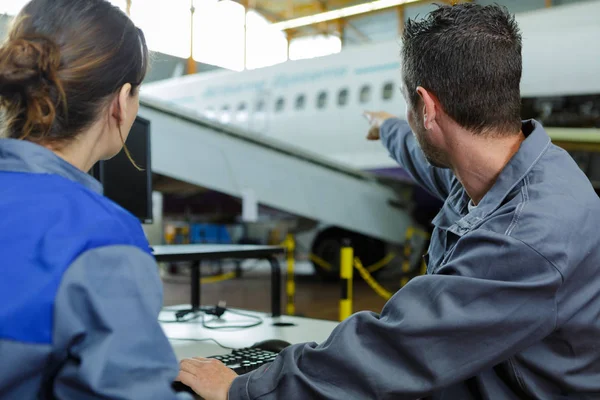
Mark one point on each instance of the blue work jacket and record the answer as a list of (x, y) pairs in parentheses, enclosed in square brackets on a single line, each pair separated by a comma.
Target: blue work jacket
[(79, 288)]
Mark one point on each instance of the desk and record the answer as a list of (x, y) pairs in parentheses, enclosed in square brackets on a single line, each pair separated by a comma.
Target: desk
[(198, 252), (303, 330)]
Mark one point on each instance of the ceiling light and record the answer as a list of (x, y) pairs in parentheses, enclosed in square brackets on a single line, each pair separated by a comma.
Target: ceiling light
[(339, 14)]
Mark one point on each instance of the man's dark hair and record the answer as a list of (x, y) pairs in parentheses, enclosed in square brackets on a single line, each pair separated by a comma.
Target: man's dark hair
[(469, 57)]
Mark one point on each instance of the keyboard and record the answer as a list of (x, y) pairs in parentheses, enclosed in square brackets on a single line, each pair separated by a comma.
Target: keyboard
[(244, 360), (247, 359)]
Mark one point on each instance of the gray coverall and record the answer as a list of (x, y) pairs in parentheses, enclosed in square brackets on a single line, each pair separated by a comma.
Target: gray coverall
[(509, 309)]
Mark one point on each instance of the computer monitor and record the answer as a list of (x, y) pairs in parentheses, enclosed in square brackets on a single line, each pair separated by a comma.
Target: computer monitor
[(123, 182)]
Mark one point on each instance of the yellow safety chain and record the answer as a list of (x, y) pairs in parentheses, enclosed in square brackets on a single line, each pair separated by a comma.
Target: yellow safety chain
[(364, 273), (410, 232), (407, 252), (421, 233), (382, 263), (320, 262), (372, 268), (218, 278)]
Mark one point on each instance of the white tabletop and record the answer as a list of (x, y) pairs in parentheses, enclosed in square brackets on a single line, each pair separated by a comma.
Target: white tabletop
[(302, 330), (216, 249)]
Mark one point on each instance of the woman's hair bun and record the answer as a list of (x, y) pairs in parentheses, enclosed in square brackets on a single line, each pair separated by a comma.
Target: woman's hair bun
[(63, 63), (27, 62)]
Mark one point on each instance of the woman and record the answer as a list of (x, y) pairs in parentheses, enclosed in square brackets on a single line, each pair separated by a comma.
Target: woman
[(79, 288)]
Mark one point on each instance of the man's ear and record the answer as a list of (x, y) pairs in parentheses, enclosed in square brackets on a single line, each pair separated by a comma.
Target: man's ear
[(429, 107), (120, 103)]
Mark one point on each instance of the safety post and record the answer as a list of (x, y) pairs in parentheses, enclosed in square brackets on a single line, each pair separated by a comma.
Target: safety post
[(427, 237), (407, 253), (423, 267), (290, 245), (346, 272)]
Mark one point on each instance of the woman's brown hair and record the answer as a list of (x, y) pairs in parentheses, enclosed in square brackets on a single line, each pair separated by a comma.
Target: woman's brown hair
[(61, 63)]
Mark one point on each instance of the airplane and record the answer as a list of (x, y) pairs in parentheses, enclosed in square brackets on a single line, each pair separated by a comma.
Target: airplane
[(317, 104)]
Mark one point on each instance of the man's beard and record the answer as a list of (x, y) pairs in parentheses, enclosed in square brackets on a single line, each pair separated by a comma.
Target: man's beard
[(434, 156)]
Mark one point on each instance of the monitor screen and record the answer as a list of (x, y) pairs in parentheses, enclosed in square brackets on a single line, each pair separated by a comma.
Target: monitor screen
[(123, 182)]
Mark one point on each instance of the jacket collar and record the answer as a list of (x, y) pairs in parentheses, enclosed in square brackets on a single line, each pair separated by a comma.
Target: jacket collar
[(24, 156), (531, 150)]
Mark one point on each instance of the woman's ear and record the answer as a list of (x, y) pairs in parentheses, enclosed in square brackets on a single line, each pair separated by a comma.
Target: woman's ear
[(120, 104)]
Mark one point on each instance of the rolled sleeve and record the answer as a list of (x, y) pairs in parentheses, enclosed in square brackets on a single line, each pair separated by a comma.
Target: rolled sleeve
[(400, 142), (436, 331), (106, 318)]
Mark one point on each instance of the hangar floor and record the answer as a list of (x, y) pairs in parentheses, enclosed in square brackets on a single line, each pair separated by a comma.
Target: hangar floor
[(314, 299)]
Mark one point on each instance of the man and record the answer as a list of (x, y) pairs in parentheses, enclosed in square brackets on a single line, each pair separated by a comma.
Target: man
[(510, 307)]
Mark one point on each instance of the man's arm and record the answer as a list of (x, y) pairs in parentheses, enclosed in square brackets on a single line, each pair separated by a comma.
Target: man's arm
[(495, 298), (106, 315), (396, 136)]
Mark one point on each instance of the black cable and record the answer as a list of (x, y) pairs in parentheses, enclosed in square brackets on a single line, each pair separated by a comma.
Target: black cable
[(195, 316), (244, 314), (218, 311), (204, 340), (181, 313)]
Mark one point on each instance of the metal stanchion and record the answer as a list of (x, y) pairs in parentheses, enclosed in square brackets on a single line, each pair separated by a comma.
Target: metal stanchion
[(290, 245), (346, 273)]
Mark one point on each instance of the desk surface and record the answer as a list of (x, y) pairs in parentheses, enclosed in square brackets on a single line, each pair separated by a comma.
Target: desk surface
[(303, 330), (195, 252)]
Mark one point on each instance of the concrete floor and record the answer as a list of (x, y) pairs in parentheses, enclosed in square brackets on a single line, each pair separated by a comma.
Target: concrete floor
[(314, 299)]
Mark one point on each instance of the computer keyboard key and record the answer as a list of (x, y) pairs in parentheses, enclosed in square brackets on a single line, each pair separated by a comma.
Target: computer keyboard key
[(247, 359)]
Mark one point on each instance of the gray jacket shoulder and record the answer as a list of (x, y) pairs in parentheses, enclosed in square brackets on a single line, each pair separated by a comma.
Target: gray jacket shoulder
[(107, 340)]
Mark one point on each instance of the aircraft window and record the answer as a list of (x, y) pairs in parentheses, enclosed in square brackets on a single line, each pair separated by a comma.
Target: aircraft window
[(343, 97), (209, 112), (242, 113), (365, 94), (280, 104), (300, 101), (388, 91), (322, 100), (260, 105), (225, 115)]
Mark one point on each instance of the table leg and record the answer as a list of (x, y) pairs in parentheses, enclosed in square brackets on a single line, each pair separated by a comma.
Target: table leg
[(275, 287), (195, 286)]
